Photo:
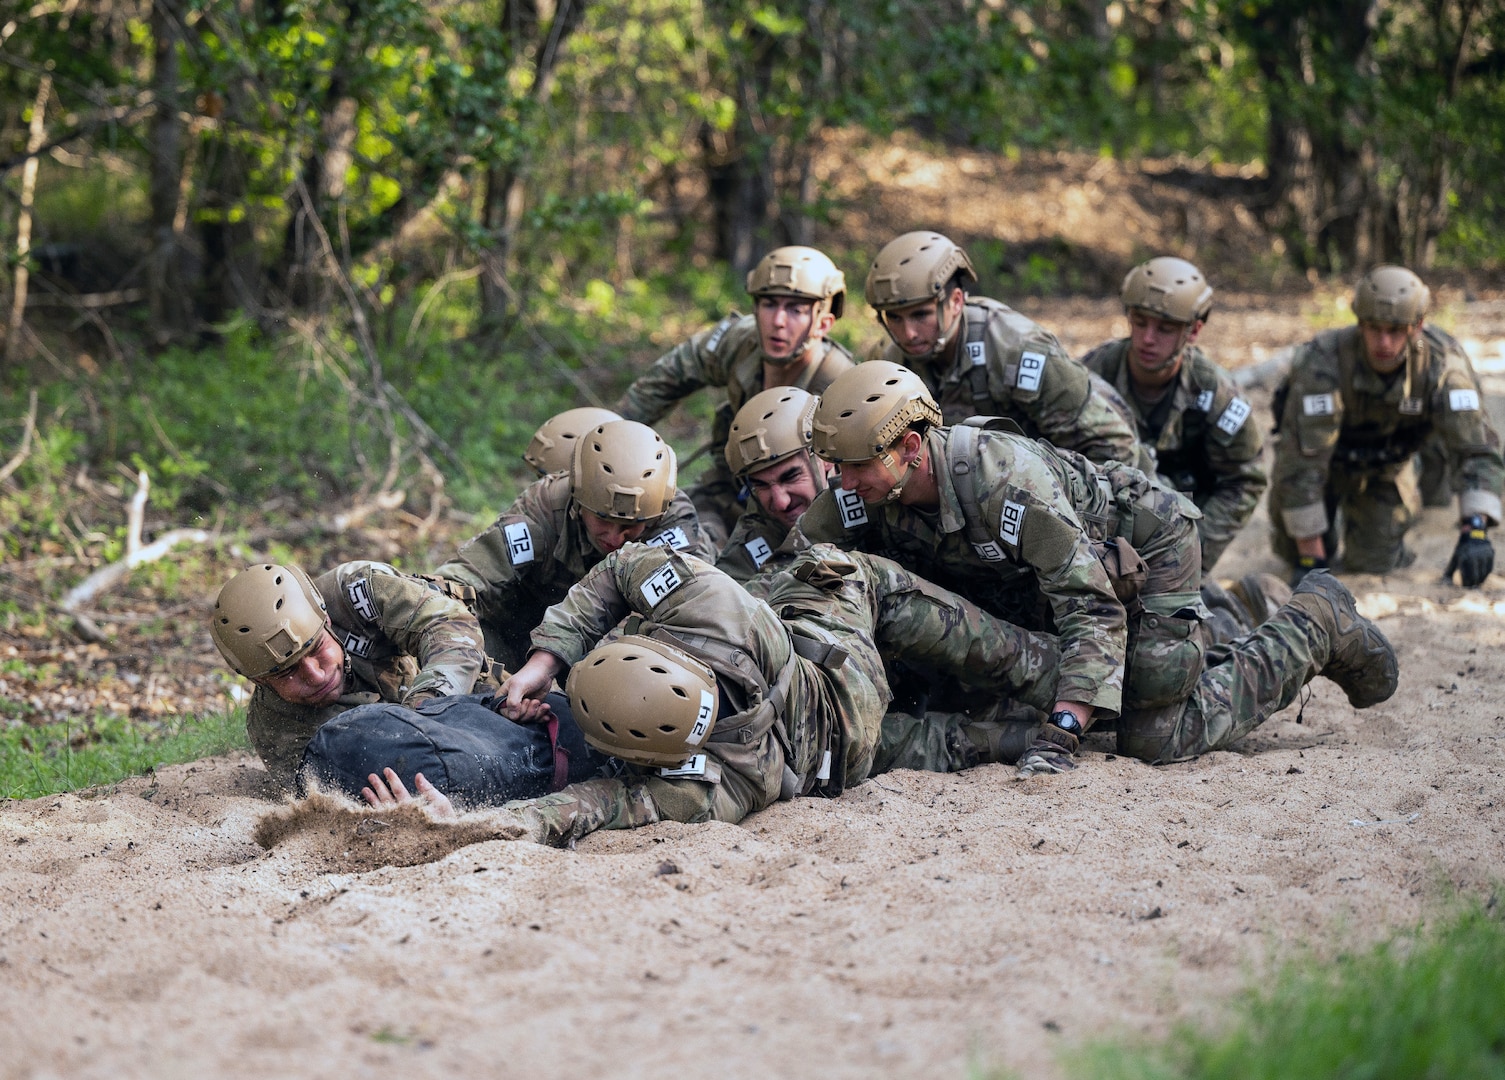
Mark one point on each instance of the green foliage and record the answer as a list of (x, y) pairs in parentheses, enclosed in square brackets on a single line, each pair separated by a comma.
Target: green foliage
[(44, 760), (1426, 1003)]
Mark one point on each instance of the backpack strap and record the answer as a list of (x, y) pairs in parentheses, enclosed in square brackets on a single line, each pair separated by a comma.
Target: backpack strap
[(961, 453)]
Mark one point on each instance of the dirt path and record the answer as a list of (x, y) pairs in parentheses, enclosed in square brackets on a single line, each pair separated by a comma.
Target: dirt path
[(916, 924)]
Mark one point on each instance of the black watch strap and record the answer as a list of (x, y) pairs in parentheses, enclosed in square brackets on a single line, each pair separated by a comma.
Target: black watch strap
[(1067, 721)]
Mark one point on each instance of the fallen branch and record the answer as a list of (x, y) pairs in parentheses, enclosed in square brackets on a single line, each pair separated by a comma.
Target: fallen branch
[(21, 455), (109, 576)]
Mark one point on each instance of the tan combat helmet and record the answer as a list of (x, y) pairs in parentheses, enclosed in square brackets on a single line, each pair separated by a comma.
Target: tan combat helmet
[(802, 272), (266, 619), (867, 408), (1391, 295), (623, 471), (553, 444), (1169, 288), (643, 701), (912, 269), (771, 426)]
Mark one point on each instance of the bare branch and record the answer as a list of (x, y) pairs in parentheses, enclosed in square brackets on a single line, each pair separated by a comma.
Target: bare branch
[(21, 455)]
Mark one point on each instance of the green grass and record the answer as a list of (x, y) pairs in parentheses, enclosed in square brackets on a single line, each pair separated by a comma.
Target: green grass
[(1428, 1003), (42, 760)]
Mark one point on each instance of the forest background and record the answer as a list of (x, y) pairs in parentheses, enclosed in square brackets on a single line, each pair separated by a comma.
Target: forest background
[(275, 269)]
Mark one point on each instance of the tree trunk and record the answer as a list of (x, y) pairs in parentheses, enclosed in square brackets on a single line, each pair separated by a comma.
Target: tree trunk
[(21, 279), (168, 291)]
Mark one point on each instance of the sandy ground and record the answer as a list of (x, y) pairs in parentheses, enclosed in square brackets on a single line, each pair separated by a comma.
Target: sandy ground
[(916, 926)]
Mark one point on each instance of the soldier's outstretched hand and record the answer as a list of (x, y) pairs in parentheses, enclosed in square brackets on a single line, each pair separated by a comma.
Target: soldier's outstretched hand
[(391, 792), (522, 696)]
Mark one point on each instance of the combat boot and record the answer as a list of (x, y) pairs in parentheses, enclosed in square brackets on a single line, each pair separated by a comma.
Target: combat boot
[(1261, 595), (1001, 741), (1360, 658)]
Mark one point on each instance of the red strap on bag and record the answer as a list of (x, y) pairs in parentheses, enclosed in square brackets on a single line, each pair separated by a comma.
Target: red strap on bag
[(561, 755)]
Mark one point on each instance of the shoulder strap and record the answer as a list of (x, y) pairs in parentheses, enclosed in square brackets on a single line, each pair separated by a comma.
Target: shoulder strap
[(961, 452), (975, 346)]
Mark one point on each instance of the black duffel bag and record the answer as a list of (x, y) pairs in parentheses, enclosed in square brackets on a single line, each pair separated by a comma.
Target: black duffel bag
[(463, 748)]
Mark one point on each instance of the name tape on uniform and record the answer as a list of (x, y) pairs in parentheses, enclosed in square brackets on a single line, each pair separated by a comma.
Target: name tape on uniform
[(1234, 416), (671, 538), (1010, 522), (1463, 400), (357, 644), (853, 509), (705, 716), (758, 551), (659, 584), (1318, 405), (1411, 406), (519, 542), (1204, 401), (359, 592), (1031, 368)]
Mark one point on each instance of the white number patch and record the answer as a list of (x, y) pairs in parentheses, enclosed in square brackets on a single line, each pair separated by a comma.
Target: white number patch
[(853, 510), (1204, 401), (989, 552), (716, 335), (1318, 405), (360, 646), (758, 550), (977, 352), (671, 538), (1011, 522), (694, 767), (1234, 416), (660, 584), (1031, 367), (360, 598), (519, 542), (705, 716), (1463, 400), (1411, 406)]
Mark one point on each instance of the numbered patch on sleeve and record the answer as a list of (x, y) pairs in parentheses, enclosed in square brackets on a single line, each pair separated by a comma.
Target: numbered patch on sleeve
[(853, 509), (671, 538), (989, 552), (717, 334), (356, 644), (1011, 523), (1234, 416), (977, 352), (1204, 400), (758, 551), (1031, 368), (359, 592), (519, 542), (1318, 405), (660, 584), (1463, 400), (695, 767), (1411, 406)]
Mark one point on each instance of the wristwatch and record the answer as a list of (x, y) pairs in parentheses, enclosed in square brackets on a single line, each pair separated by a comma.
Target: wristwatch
[(1066, 720)]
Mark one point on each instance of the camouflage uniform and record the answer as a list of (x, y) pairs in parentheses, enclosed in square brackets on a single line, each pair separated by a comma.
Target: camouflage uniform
[(404, 642), (1347, 438), (752, 543), (1006, 365), (798, 667), (1204, 445), (1048, 523), (529, 557), (729, 355)]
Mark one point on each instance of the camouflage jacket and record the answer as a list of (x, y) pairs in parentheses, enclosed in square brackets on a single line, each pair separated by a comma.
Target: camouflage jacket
[(403, 640), (531, 555), (1204, 441), (1035, 507), (1339, 413), (726, 356), (1004, 364), (751, 544)]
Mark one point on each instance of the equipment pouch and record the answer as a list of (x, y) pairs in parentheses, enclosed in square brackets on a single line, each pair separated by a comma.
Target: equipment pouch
[(1167, 645), (1124, 567)]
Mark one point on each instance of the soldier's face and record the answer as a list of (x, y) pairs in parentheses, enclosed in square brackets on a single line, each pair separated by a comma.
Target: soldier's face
[(786, 490), (787, 324), (916, 329), (1385, 344), (317, 679), (606, 535), (1155, 345)]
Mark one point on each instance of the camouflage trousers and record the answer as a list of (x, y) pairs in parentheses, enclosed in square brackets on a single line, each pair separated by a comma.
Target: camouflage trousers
[(1376, 508), (1166, 635)]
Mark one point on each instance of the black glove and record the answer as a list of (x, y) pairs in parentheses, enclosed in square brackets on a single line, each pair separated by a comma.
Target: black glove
[(1474, 557), (1305, 564)]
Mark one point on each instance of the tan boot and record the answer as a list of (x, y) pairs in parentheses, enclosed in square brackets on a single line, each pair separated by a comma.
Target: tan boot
[(1360, 658)]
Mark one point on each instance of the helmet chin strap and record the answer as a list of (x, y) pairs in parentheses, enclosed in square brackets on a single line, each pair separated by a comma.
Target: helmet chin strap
[(940, 342), (900, 478), (803, 345)]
